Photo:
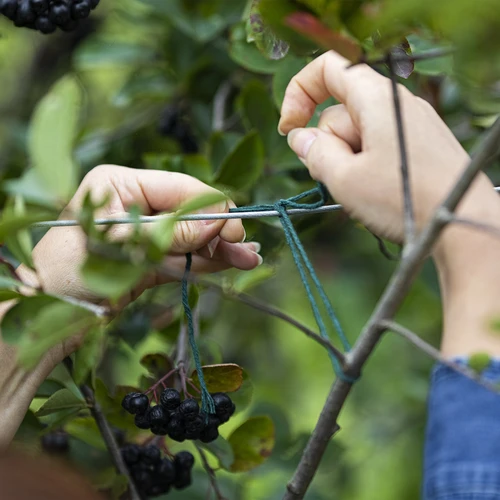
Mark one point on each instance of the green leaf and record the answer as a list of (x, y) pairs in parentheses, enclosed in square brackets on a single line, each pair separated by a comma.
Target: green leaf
[(120, 485), (30, 428), (157, 364), (111, 278), (259, 113), (479, 361), (433, 66), (220, 145), (53, 129), (214, 200), (263, 36), (88, 356), (243, 396), (85, 429), (252, 443), (61, 400), (48, 388), (222, 450), (244, 165), (249, 57), (220, 378), (283, 76), (11, 223), (98, 54), (247, 280)]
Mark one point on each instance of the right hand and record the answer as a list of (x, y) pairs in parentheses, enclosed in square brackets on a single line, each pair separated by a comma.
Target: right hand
[(354, 150)]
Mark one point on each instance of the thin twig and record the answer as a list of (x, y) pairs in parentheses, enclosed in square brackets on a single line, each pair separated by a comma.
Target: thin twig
[(422, 56), (211, 474), (219, 107), (387, 306), (405, 173), (258, 305), (432, 352), (109, 440)]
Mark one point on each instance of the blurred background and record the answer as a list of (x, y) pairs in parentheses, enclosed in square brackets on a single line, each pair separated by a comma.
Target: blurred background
[(174, 85)]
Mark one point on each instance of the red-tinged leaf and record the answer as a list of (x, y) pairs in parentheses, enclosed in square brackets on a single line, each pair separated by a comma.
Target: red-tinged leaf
[(220, 378), (311, 27)]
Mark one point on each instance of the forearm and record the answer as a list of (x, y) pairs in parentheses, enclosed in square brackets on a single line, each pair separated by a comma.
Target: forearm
[(17, 387)]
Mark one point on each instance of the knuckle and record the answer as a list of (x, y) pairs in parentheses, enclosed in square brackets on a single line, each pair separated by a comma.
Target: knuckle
[(186, 233)]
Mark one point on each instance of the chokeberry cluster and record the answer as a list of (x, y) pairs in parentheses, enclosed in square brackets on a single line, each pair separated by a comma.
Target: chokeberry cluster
[(47, 15), (178, 419), (155, 475), (174, 124)]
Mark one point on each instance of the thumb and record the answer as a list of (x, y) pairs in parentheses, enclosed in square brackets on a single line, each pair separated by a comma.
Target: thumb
[(327, 157)]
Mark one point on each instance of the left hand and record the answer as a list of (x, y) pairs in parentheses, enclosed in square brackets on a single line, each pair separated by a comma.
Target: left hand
[(216, 245)]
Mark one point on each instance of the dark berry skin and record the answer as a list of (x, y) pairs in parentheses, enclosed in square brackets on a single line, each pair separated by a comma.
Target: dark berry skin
[(94, 4), (80, 10), (159, 430), (209, 434), (56, 442), (170, 399), (45, 25), (25, 14), (194, 427), (182, 479), (158, 416), (224, 407), (166, 471), (69, 26), (184, 460), (151, 455), (39, 6), (189, 408), (144, 480), (59, 14), (142, 421), (126, 400), (9, 8), (176, 430), (131, 454), (138, 404)]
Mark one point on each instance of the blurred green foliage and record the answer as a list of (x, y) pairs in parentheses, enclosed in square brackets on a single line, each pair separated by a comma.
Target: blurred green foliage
[(195, 86)]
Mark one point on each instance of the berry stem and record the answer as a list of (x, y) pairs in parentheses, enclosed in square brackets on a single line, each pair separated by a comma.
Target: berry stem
[(211, 474), (193, 386), (161, 381)]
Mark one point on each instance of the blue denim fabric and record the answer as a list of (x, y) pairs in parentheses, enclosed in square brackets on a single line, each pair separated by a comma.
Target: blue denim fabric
[(462, 448)]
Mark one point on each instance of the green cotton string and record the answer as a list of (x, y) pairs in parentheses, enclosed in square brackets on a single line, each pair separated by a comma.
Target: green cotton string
[(207, 403), (305, 267)]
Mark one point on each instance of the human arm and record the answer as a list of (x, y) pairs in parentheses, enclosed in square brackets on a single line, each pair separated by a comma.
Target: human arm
[(354, 151), (60, 253)]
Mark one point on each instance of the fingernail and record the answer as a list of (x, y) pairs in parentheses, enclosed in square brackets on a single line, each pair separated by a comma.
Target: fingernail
[(280, 131), (257, 246), (261, 260), (244, 236), (212, 246), (301, 140), (220, 208)]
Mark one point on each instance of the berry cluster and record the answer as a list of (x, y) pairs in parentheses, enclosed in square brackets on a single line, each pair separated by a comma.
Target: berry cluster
[(174, 124), (178, 419), (154, 475), (47, 15), (55, 442)]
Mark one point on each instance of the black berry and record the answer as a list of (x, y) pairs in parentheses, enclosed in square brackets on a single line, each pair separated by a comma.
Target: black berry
[(24, 15), (59, 14), (209, 434), (224, 407), (166, 471), (158, 416), (151, 455), (170, 399), (45, 25), (80, 10), (55, 442), (131, 454), (9, 8), (127, 398), (182, 479), (142, 420), (189, 408), (39, 6), (176, 430), (138, 404), (159, 430), (184, 460), (194, 427)]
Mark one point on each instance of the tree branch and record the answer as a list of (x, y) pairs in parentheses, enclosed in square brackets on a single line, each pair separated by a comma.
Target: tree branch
[(433, 353), (388, 304), (219, 107), (211, 474), (405, 174), (109, 440)]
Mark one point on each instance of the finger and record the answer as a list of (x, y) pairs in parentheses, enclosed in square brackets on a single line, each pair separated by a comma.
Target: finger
[(233, 230), (337, 120), (327, 157), (326, 76)]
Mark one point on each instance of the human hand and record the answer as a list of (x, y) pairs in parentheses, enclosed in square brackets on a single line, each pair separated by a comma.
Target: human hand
[(354, 151), (216, 245)]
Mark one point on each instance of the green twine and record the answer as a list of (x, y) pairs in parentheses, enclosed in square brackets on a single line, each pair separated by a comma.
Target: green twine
[(207, 403), (304, 267)]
